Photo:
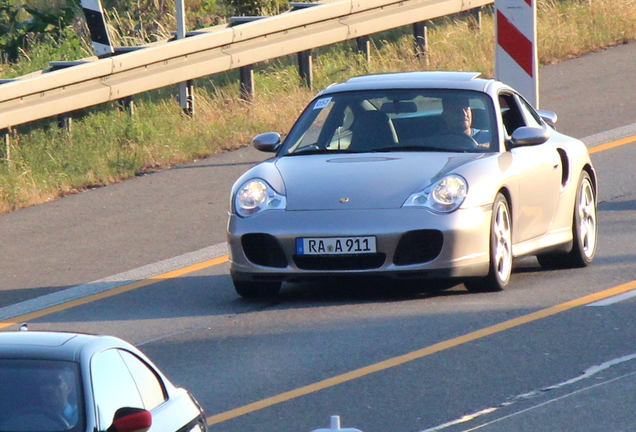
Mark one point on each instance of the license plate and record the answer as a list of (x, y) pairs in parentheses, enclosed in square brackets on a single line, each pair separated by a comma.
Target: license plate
[(335, 245)]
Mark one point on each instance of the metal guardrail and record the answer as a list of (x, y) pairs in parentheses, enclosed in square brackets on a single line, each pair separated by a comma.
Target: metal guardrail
[(208, 51)]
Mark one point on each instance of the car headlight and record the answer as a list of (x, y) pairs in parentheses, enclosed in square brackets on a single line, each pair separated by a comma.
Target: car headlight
[(255, 196), (443, 196)]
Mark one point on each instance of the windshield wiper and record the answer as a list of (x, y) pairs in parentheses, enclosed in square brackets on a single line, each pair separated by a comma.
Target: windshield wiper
[(319, 151)]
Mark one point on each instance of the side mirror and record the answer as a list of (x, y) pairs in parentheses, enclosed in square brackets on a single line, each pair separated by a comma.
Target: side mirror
[(267, 142), (131, 420), (529, 136), (549, 117)]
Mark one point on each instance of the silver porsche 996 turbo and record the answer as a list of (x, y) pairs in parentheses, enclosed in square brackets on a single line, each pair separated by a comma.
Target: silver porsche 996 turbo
[(413, 176)]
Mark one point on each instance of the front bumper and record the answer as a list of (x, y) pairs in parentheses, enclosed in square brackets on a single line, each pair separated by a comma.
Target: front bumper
[(411, 243)]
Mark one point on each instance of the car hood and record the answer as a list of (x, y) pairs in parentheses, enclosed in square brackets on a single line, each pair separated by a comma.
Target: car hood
[(362, 181)]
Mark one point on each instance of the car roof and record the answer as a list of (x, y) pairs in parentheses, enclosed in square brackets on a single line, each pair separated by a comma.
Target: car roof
[(401, 80), (48, 345)]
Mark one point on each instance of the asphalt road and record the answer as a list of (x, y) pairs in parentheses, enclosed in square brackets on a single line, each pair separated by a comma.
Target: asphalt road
[(107, 231), (534, 357)]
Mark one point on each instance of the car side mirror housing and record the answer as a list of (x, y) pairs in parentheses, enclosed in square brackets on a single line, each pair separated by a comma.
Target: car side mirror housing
[(268, 142), (131, 420), (549, 117), (529, 136)]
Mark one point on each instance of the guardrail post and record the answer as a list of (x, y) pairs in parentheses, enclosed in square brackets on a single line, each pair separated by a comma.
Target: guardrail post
[(420, 33), (364, 46), (474, 18), (246, 74), (127, 104), (65, 121), (6, 135), (304, 68), (189, 98), (186, 89)]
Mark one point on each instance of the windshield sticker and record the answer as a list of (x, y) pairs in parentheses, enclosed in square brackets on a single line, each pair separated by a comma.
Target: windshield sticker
[(321, 103)]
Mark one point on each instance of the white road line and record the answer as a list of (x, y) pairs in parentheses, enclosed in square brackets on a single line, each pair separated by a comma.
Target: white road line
[(610, 135), (588, 373), (557, 399), (615, 299), (111, 282)]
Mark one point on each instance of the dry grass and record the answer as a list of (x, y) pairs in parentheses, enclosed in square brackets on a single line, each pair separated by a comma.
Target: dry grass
[(568, 29)]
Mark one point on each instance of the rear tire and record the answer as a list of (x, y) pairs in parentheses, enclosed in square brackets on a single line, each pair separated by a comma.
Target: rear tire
[(584, 231), (256, 290), (500, 251)]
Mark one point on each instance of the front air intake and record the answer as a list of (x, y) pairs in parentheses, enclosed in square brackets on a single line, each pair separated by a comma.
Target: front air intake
[(264, 250), (417, 247)]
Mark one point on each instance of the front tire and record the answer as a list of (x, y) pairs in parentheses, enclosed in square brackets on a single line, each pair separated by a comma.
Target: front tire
[(584, 231), (256, 290), (500, 251)]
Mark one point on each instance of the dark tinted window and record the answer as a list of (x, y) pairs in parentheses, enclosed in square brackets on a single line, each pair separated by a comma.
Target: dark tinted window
[(40, 395)]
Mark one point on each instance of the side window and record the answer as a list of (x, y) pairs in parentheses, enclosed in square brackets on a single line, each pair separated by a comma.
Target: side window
[(511, 114), (113, 386), (532, 118), (149, 386)]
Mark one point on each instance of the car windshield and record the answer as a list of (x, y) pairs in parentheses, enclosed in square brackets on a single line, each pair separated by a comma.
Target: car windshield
[(395, 120), (40, 395)]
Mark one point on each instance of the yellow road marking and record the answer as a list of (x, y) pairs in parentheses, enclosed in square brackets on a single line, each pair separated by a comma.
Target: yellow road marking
[(396, 361), (612, 144), (418, 354), (112, 292)]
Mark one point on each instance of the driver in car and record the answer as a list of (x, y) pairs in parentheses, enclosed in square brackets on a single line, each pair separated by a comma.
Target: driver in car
[(55, 389), (458, 117)]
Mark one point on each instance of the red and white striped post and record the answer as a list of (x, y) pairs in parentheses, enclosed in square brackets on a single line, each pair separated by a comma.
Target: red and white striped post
[(516, 60)]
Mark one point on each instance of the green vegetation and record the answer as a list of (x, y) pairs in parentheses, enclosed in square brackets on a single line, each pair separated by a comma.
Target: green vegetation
[(24, 26), (106, 145)]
